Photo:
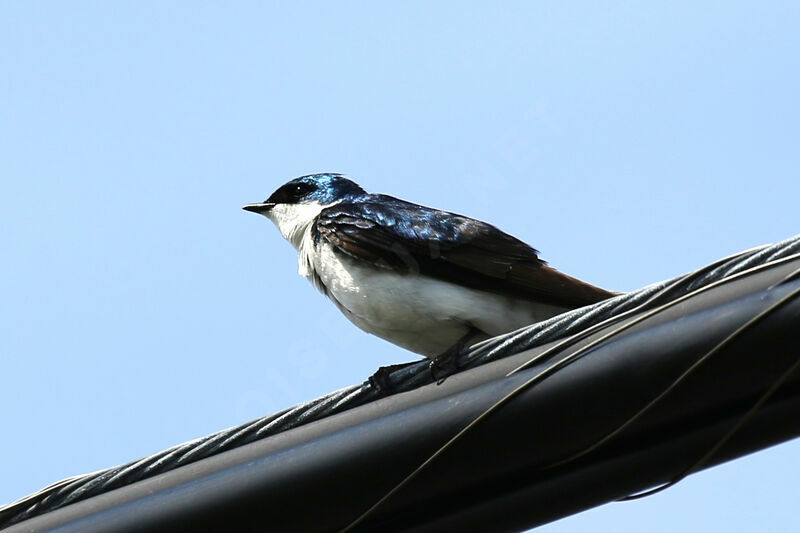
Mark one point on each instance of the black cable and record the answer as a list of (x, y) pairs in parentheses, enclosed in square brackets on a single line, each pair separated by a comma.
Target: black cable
[(733, 274), (85, 486)]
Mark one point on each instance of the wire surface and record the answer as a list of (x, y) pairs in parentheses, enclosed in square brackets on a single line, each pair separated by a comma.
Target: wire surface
[(581, 320)]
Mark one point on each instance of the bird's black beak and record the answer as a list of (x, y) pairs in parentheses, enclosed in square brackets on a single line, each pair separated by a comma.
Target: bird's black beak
[(261, 209)]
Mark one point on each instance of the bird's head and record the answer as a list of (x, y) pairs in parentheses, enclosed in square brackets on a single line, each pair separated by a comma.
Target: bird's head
[(295, 204)]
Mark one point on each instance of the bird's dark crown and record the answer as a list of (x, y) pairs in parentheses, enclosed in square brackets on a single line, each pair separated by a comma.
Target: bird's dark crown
[(324, 188)]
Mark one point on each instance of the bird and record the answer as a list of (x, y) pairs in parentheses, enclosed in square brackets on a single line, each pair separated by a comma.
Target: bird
[(430, 281)]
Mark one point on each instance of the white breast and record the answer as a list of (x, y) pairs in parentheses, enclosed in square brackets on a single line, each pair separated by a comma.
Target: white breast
[(419, 313)]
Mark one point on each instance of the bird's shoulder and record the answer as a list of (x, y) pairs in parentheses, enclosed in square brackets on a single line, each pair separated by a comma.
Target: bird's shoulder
[(387, 222)]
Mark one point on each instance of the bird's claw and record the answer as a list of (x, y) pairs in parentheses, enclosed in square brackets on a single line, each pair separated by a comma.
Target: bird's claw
[(380, 380), (446, 363)]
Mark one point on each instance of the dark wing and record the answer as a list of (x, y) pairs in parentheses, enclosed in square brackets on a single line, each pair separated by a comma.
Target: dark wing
[(391, 233)]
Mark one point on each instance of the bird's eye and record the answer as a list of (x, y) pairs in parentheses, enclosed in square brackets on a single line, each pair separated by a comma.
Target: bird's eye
[(291, 193), (301, 189)]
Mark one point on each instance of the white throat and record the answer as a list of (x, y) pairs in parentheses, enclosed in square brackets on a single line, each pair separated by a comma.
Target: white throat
[(294, 220)]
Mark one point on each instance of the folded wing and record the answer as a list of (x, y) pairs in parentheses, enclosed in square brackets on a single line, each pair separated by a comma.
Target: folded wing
[(391, 233)]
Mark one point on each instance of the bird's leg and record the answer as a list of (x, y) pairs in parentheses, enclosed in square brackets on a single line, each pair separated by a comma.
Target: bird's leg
[(446, 361), (380, 379)]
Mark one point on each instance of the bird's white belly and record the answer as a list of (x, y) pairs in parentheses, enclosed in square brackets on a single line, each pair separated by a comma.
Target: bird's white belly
[(419, 313)]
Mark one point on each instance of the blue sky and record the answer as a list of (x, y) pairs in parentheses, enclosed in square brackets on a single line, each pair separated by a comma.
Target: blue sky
[(141, 307)]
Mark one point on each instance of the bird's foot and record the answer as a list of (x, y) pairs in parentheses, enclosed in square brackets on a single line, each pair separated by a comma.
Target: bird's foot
[(444, 365), (447, 362), (380, 379)]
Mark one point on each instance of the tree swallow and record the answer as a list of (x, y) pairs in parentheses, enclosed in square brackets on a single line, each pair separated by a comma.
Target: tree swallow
[(427, 280)]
